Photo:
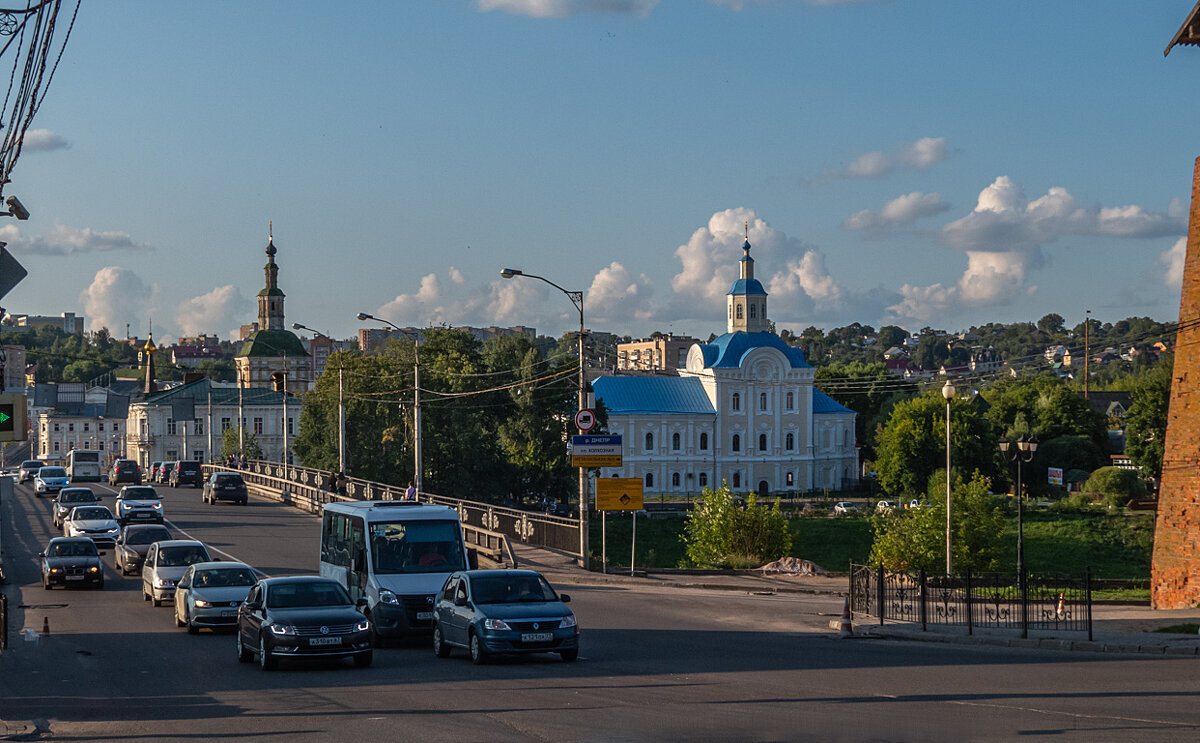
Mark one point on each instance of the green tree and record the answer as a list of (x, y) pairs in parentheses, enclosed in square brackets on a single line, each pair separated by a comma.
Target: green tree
[(1146, 422), (867, 389), (720, 533), (229, 444), (912, 445), (1118, 486), (1049, 406)]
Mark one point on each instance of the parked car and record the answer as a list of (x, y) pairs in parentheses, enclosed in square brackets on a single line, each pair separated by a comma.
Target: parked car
[(93, 522), (845, 508), (139, 503), (209, 594), (71, 561), (134, 543), (302, 616), (69, 498), (886, 506), (186, 473), (164, 472), (29, 469), (125, 470), (165, 564), (225, 486), (490, 612), (50, 480)]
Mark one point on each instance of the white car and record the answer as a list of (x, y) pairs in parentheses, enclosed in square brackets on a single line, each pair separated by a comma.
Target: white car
[(885, 506), (139, 503), (845, 508), (165, 564), (50, 480), (94, 522), (210, 593)]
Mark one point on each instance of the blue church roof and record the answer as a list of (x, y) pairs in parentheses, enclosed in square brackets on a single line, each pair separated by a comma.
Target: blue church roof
[(727, 351), (748, 286), (654, 395), (823, 403)]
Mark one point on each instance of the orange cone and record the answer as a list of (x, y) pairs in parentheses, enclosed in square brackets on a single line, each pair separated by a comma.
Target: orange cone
[(45, 626), (1061, 611), (847, 628)]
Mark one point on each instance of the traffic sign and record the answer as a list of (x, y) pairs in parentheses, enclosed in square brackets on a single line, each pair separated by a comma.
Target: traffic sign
[(11, 272), (12, 417), (619, 494), (585, 420), (596, 451)]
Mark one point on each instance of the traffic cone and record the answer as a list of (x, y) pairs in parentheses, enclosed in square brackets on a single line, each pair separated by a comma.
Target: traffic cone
[(847, 628), (1061, 611), (45, 626)]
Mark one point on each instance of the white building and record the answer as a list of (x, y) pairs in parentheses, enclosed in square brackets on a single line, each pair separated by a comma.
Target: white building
[(744, 411), (58, 433)]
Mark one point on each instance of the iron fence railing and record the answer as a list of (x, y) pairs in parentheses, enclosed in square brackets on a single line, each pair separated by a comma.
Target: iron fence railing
[(991, 600), (310, 489)]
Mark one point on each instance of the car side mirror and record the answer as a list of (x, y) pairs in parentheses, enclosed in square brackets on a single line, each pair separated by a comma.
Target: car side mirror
[(253, 605), (460, 600), (564, 597), (101, 552), (182, 583), (41, 554), (362, 603)]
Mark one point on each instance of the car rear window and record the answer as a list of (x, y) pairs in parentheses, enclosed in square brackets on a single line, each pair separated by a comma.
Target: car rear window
[(52, 472), (189, 467), (73, 548), (224, 578), (180, 556), (77, 496), (229, 480), (146, 536), (141, 493), (30, 464)]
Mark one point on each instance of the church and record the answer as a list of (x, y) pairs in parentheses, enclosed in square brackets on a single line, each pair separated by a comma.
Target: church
[(273, 349), (743, 411)]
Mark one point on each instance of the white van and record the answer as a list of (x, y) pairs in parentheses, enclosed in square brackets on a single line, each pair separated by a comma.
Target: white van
[(396, 554)]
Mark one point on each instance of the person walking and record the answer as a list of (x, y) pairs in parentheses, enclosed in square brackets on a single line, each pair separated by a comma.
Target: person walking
[(410, 493)]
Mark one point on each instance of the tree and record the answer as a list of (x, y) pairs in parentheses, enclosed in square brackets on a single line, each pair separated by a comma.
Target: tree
[(1118, 486), (912, 445), (229, 444), (1049, 406), (720, 533), (867, 389), (1146, 422), (1051, 324)]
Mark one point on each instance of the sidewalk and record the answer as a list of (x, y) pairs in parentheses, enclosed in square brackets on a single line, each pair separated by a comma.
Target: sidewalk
[(1115, 628)]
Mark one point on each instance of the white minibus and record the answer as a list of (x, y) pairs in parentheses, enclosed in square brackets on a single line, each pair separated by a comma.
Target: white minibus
[(83, 465)]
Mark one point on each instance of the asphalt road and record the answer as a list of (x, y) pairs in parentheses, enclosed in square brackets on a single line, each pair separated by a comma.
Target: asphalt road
[(655, 666)]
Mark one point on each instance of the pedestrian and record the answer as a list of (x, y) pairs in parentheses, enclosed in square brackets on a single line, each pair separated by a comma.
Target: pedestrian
[(331, 482), (340, 483), (242, 461), (410, 493)]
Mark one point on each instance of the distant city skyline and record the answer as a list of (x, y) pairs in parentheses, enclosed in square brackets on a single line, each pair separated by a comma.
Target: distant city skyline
[(940, 164)]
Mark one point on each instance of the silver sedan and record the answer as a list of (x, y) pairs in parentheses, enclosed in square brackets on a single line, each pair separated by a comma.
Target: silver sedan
[(209, 594)]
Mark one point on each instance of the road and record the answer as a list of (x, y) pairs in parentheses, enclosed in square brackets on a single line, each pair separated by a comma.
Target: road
[(661, 665)]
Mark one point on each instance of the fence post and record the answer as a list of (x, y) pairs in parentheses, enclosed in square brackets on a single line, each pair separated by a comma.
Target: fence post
[(970, 619), (853, 573), (1023, 585), (924, 610), (3, 622), (1087, 589), (879, 580)]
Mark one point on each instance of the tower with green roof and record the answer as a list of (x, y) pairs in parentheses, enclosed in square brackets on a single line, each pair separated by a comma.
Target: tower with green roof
[(272, 348)]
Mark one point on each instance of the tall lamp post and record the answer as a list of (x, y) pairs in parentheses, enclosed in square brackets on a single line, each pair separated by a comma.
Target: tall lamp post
[(577, 300), (948, 393), (341, 401), (1023, 452), (418, 471)]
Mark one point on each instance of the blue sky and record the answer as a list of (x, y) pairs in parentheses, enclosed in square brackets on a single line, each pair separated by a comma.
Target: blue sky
[(910, 162)]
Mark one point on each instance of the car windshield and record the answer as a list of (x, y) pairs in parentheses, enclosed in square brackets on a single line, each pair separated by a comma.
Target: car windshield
[(314, 593), (77, 496), (140, 493), (32, 464), (511, 589), (80, 548), (189, 467), (416, 547), (146, 536), (52, 472), (99, 513), (224, 578), (224, 480), (177, 557)]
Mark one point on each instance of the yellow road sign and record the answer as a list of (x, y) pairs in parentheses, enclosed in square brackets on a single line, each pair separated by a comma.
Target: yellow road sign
[(596, 460), (619, 494)]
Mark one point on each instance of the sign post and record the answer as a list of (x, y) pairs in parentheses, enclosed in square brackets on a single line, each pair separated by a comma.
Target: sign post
[(596, 451), (618, 494)]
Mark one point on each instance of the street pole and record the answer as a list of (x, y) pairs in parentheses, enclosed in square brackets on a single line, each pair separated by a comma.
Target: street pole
[(341, 421), (948, 393), (210, 452), (418, 469), (241, 424)]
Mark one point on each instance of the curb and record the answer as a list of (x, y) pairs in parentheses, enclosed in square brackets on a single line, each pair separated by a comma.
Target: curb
[(632, 581), (1044, 643)]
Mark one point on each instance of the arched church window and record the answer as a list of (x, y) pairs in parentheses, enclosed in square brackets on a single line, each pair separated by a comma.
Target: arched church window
[(753, 310), (675, 442), (735, 402), (737, 479), (649, 479), (790, 401), (649, 441), (704, 442), (704, 479), (790, 442), (790, 479), (762, 442), (737, 442), (762, 401), (739, 312), (674, 479)]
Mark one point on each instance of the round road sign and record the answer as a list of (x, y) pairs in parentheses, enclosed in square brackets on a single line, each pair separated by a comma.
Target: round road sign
[(585, 420)]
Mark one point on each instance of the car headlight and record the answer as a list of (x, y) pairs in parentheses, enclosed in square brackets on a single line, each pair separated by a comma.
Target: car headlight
[(387, 597), (363, 626), (164, 582), (568, 621), (283, 629), (94, 569), (202, 604), (156, 505), (497, 624), (55, 570)]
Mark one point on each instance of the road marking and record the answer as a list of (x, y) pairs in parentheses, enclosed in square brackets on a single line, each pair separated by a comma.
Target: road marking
[(1074, 714)]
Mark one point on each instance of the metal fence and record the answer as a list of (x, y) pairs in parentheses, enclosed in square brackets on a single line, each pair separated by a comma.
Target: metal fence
[(991, 600), (3, 622), (309, 489)]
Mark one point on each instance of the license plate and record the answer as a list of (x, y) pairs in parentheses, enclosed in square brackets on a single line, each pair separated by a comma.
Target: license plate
[(141, 515), (537, 636), (425, 615), (74, 577), (325, 641), (229, 613)]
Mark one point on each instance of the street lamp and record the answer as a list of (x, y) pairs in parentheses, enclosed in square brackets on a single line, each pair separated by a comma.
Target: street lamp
[(418, 472), (341, 401), (948, 393), (1023, 452), (577, 300)]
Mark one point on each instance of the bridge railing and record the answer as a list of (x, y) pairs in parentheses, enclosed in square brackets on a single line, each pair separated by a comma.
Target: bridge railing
[(309, 489)]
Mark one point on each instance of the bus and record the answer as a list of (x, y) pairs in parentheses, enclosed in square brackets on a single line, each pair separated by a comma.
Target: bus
[(83, 465), (397, 555)]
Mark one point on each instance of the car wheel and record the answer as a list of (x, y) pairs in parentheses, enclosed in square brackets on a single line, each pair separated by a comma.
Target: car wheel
[(100, 585), (363, 660), (570, 655), (440, 648), (178, 622), (145, 596), (479, 655), (243, 653), (267, 661), (187, 622)]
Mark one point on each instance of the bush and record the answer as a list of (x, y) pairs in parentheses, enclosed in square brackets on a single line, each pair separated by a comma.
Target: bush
[(1118, 486), (720, 533)]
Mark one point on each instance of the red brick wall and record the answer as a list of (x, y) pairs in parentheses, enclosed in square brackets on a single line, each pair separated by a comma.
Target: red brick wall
[(1175, 571)]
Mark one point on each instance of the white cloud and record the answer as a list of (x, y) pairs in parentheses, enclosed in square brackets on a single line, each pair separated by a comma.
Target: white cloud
[(741, 4), (223, 307), (62, 240), (419, 309), (917, 155), (118, 296), (616, 296), (901, 210), (566, 8), (456, 276), (1173, 260), (43, 140), (921, 303)]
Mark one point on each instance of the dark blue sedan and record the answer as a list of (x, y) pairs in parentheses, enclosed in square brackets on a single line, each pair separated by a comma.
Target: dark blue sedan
[(500, 612)]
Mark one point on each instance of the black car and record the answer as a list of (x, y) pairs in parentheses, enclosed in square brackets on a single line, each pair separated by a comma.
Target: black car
[(491, 612), (134, 542), (125, 470), (68, 498), (225, 486), (186, 473), (302, 616), (71, 561), (164, 473)]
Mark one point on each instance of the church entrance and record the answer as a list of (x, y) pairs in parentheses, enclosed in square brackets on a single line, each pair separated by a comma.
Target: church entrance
[(762, 488)]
